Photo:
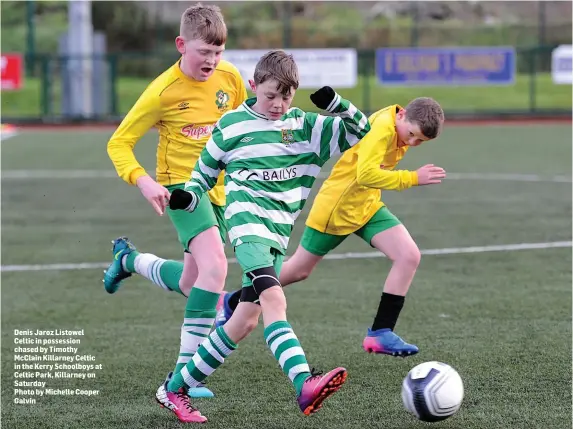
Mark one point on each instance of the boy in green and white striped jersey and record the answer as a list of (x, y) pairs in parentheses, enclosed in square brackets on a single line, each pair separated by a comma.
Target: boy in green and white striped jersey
[(271, 155)]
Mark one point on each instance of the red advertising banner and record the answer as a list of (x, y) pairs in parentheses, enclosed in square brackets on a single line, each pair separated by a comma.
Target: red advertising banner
[(11, 71)]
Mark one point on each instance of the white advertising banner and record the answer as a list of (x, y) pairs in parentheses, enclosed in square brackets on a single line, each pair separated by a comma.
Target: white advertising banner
[(316, 67), (562, 64)]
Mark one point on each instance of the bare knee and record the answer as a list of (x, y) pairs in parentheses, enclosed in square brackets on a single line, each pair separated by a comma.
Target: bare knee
[(299, 267), (238, 331), (243, 321), (278, 306), (209, 255), (410, 258), (214, 267), (274, 298), (303, 274), (218, 267), (251, 324), (307, 269)]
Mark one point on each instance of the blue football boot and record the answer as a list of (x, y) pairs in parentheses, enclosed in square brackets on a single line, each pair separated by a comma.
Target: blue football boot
[(115, 273), (385, 341)]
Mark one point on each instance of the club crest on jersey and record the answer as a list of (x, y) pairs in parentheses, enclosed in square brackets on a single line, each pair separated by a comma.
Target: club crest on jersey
[(288, 137), (197, 132), (222, 100)]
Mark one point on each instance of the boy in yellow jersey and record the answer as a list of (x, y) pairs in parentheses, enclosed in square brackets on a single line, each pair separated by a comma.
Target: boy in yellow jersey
[(349, 203), (183, 103)]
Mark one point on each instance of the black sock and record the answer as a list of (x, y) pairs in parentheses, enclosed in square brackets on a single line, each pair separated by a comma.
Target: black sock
[(234, 299), (388, 311)]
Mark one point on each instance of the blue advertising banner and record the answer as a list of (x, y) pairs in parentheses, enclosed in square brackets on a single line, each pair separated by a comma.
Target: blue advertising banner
[(446, 66)]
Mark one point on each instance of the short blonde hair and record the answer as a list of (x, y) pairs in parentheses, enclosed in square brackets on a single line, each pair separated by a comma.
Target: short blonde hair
[(427, 114), (204, 23), (280, 66)]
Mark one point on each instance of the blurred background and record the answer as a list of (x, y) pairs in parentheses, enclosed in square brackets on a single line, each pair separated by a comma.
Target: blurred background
[(82, 60)]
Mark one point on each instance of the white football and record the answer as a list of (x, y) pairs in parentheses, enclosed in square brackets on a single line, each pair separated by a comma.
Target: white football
[(432, 391)]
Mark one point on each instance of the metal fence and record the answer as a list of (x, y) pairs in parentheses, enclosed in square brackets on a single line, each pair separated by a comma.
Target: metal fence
[(140, 46), (532, 93)]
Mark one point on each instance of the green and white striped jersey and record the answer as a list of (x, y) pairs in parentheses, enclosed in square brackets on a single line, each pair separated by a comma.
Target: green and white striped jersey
[(270, 166)]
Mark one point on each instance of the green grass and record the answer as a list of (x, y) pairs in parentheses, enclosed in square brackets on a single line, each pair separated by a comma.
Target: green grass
[(502, 319), (367, 95)]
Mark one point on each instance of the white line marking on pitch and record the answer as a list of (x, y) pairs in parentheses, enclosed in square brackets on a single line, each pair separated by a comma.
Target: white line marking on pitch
[(58, 174), (110, 174), (332, 256)]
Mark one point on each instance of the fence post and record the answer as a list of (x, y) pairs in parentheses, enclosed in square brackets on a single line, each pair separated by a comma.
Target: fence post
[(287, 8), (541, 23), (46, 86), (365, 74), (414, 33), (113, 84), (30, 37), (532, 79)]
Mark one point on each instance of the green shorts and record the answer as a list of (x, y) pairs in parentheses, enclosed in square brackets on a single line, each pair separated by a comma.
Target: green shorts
[(319, 243), (252, 256), (189, 225)]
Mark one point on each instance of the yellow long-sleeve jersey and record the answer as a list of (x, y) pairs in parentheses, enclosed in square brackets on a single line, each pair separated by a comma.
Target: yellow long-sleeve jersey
[(352, 193), (185, 112)]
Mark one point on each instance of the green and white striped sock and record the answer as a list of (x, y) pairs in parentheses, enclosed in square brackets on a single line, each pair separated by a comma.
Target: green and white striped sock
[(162, 272), (199, 318), (287, 350), (210, 356)]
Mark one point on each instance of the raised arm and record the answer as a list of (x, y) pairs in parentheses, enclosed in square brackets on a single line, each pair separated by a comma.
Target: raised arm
[(335, 134)]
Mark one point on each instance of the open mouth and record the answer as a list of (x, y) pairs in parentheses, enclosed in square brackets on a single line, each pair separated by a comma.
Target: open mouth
[(206, 70)]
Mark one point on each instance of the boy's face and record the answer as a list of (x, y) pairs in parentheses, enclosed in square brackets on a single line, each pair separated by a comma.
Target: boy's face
[(409, 133), (270, 102), (199, 59)]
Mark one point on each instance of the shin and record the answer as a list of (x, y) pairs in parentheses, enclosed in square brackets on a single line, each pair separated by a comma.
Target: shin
[(209, 255), (397, 244)]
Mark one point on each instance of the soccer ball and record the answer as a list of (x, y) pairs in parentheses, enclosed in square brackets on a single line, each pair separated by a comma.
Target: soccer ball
[(432, 391)]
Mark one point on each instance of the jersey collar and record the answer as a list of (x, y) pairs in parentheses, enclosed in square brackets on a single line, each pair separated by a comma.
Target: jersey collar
[(248, 103)]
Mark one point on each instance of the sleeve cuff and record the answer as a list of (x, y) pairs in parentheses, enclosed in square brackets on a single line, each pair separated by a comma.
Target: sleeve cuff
[(334, 103), (194, 202), (136, 174), (414, 178)]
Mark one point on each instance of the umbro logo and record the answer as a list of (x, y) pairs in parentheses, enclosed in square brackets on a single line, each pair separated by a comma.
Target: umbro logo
[(183, 105), (246, 139), (249, 174)]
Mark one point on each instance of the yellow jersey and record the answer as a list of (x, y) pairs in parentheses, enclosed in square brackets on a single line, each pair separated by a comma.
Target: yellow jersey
[(352, 193), (185, 112)]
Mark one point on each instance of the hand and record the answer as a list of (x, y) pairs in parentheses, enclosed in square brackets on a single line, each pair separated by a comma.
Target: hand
[(183, 200), (154, 193), (430, 174), (323, 97)]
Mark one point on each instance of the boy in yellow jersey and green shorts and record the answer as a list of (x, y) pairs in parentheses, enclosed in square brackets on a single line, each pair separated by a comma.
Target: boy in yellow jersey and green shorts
[(349, 203), (183, 103)]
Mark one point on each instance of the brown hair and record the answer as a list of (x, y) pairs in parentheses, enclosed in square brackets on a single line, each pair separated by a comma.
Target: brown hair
[(204, 23), (427, 114), (280, 66)]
